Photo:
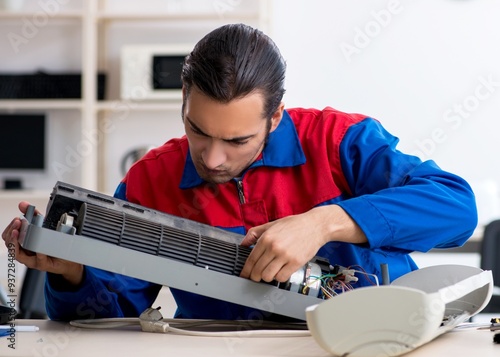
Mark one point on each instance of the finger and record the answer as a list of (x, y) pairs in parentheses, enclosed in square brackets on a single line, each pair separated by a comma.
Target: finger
[(12, 242), (23, 256), (14, 225), (284, 274), (14, 246), (272, 271), (252, 259), (266, 267), (260, 265)]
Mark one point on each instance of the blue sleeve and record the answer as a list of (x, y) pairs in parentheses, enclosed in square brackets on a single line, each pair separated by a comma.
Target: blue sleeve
[(400, 202), (101, 294)]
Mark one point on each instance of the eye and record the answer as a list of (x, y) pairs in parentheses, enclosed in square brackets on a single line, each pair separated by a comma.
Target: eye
[(196, 131), (238, 142)]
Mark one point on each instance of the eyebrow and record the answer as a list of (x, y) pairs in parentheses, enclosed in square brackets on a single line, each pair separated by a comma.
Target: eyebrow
[(237, 138)]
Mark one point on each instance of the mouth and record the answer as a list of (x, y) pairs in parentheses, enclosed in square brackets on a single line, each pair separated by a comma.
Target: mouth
[(211, 172), (215, 172)]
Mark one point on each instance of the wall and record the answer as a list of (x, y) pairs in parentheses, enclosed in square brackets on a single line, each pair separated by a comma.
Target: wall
[(428, 70)]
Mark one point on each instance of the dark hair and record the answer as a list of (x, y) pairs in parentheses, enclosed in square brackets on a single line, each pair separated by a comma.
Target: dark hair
[(233, 61)]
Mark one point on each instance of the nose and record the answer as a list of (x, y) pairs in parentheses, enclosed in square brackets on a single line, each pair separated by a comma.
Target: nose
[(214, 155)]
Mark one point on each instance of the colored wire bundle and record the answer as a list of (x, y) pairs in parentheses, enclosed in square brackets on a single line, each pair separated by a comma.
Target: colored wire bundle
[(340, 280)]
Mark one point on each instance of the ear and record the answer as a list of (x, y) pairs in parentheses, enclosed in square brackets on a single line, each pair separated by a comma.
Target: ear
[(276, 118), (184, 98)]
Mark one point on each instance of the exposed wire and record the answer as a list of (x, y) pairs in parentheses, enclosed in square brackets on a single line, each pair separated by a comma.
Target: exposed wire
[(152, 321), (365, 274)]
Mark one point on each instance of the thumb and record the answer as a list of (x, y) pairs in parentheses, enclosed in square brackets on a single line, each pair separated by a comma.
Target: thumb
[(249, 239), (253, 235), (23, 207)]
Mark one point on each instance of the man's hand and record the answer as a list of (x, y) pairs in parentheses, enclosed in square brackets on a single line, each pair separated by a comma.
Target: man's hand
[(284, 245), (72, 272)]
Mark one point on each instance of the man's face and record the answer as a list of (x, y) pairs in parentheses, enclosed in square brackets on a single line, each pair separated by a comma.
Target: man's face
[(224, 139)]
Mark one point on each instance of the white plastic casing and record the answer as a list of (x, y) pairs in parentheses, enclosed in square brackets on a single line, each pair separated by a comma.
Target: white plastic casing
[(394, 319)]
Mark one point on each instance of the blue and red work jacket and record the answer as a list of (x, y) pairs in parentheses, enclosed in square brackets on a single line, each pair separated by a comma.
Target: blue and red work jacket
[(313, 158)]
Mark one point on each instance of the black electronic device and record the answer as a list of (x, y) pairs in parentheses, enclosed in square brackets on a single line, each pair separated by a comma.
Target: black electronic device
[(167, 72), (41, 85), (23, 142), (7, 314)]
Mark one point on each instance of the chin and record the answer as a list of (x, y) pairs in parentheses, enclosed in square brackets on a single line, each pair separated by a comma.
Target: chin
[(226, 177), (217, 179)]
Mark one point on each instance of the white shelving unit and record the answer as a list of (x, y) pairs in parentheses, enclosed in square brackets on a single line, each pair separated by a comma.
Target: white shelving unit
[(95, 30), (100, 23), (20, 104)]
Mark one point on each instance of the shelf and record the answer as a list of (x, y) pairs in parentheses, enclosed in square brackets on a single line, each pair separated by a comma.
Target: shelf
[(30, 14), (171, 17), (25, 194), (121, 105), (16, 104)]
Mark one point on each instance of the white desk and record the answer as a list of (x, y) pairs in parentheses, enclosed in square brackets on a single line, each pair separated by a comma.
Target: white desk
[(61, 339)]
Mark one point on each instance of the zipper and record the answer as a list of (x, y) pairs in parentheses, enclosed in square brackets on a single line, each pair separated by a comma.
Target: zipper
[(239, 186)]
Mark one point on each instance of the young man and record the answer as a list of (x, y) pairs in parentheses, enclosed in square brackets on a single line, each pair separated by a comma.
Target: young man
[(296, 182)]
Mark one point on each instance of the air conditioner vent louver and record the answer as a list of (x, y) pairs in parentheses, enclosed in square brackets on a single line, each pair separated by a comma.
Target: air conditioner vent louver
[(158, 239), (217, 255), (107, 228)]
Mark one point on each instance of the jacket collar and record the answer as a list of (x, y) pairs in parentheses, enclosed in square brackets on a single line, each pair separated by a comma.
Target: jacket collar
[(282, 149)]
